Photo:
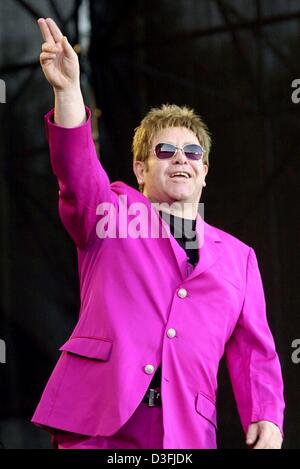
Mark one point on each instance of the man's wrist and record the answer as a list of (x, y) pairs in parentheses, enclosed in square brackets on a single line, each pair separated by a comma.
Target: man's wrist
[(68, 93)]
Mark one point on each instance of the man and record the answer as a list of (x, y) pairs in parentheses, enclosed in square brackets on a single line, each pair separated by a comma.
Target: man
[(157, 311)]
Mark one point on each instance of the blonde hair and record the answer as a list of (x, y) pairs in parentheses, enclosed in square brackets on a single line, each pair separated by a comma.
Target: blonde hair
[(168, 115)]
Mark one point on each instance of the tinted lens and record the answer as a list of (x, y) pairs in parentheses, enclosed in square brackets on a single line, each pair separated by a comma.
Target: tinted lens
[(193, 152), (164, 150)]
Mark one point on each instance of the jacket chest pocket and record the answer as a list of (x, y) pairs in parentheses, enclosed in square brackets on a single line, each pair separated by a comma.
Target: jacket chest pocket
[(88, 347)]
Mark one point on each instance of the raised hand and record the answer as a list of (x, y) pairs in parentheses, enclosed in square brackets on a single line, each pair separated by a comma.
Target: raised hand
[(60, 65), (58, 59)]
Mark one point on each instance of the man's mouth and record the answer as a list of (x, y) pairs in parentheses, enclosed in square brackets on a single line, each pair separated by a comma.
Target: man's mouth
[(180, 175)]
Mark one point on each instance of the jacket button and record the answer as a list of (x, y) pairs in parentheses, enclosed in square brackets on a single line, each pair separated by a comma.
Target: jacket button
[(182, 293), (149, 369), (171, 333)]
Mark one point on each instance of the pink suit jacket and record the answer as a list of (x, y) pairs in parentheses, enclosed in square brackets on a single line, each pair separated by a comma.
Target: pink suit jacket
[(131, 295)]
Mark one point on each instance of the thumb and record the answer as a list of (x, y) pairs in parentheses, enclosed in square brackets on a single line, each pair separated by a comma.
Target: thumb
[(67, 48), (252, 434)]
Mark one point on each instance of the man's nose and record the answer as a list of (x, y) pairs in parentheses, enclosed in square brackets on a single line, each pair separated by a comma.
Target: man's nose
[(179, 156)]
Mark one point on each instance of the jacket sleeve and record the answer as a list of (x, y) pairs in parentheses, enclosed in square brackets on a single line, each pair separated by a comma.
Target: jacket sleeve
[(82, 181), (251, 357)]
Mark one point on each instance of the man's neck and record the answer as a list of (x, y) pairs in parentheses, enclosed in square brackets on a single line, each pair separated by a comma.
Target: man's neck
[(185, 210), (181, 209)]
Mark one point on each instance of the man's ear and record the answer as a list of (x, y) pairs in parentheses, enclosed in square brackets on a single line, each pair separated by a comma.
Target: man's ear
[(139, 170)]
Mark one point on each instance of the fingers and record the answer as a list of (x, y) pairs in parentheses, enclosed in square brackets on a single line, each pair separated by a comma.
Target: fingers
[(67, 48), (49, 47), (54, 38), (44, 56), (50, 31), (252, 434), (55, 31), (45, 31), (263, 440), (56, 48)]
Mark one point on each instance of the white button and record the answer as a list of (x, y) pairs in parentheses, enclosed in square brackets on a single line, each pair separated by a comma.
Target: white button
[(171, 333), (149, 369), (182, 293)]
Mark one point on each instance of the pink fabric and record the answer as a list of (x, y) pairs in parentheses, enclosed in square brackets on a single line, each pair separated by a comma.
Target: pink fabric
[(144, 430), (130, 297)]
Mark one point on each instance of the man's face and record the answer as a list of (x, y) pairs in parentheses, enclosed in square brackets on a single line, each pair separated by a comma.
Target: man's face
[(159, 185)]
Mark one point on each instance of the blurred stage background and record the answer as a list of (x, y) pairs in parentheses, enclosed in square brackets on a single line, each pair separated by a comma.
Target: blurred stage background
[(234, 63)]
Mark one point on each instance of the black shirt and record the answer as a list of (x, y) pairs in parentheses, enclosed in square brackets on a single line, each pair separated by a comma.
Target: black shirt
[(184, 231)]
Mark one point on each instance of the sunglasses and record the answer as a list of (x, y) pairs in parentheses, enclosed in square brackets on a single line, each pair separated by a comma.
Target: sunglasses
[(165, 151)]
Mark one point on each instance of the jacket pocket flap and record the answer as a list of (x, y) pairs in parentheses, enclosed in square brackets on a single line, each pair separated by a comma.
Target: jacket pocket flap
[(88, 347), (206, 408)]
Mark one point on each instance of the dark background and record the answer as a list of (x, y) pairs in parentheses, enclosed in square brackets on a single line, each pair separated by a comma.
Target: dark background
[(234, 63)]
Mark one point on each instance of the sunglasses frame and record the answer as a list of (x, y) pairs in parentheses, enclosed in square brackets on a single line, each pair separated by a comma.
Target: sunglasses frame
[(179, 148)]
